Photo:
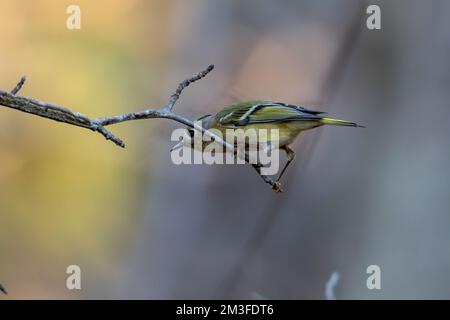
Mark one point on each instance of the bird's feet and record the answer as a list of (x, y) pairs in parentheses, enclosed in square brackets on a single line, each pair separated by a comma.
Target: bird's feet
[(277, 187)]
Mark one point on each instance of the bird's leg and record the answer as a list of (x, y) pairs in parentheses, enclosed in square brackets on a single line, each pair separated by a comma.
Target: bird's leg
[(290, 154), (241, 150)]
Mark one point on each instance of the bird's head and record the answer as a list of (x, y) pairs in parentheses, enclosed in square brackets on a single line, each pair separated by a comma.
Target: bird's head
[(187, 140), (188, 137)]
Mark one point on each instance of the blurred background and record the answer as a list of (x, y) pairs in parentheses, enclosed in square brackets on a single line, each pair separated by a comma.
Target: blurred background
[(142, 227)]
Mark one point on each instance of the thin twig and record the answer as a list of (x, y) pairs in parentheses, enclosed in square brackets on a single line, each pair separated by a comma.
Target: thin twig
[(174, 98), (63, 114), (19, 85)]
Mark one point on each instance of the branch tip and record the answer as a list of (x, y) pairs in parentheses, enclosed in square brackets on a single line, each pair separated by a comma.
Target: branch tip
[(109, 135), (19, 85), (174, 97)]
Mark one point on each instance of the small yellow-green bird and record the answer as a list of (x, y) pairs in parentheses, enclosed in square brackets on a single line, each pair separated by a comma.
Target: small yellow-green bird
[(289, 119)]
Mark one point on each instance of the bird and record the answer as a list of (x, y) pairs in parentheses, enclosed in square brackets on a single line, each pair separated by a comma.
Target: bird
[(289, 119)]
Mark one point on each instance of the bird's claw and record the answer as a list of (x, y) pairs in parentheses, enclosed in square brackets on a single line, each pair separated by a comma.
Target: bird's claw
[(277, 187)]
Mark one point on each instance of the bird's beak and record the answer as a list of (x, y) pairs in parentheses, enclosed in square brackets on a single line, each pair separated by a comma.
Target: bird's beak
[(177, 146)]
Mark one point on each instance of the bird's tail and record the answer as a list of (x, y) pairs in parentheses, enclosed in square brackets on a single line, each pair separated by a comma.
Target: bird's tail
[(337, 122)]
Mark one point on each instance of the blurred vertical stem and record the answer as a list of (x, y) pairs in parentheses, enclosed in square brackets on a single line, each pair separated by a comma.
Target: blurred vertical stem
[(329, 90)]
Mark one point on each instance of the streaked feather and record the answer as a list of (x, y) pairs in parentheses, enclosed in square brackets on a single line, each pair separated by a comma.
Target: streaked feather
[(252, 112)]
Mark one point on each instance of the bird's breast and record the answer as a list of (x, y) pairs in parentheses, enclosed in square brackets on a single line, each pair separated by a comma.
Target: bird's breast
[(286, 131)]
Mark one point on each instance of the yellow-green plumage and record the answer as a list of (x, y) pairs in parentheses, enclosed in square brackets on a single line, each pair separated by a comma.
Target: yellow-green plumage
[(288, 119)]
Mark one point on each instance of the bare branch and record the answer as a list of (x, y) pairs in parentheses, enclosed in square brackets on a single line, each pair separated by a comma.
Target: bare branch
[(63, 114), (54, 112)]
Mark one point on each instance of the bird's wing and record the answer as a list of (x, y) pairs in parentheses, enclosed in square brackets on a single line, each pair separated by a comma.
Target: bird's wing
[(251, 112)]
